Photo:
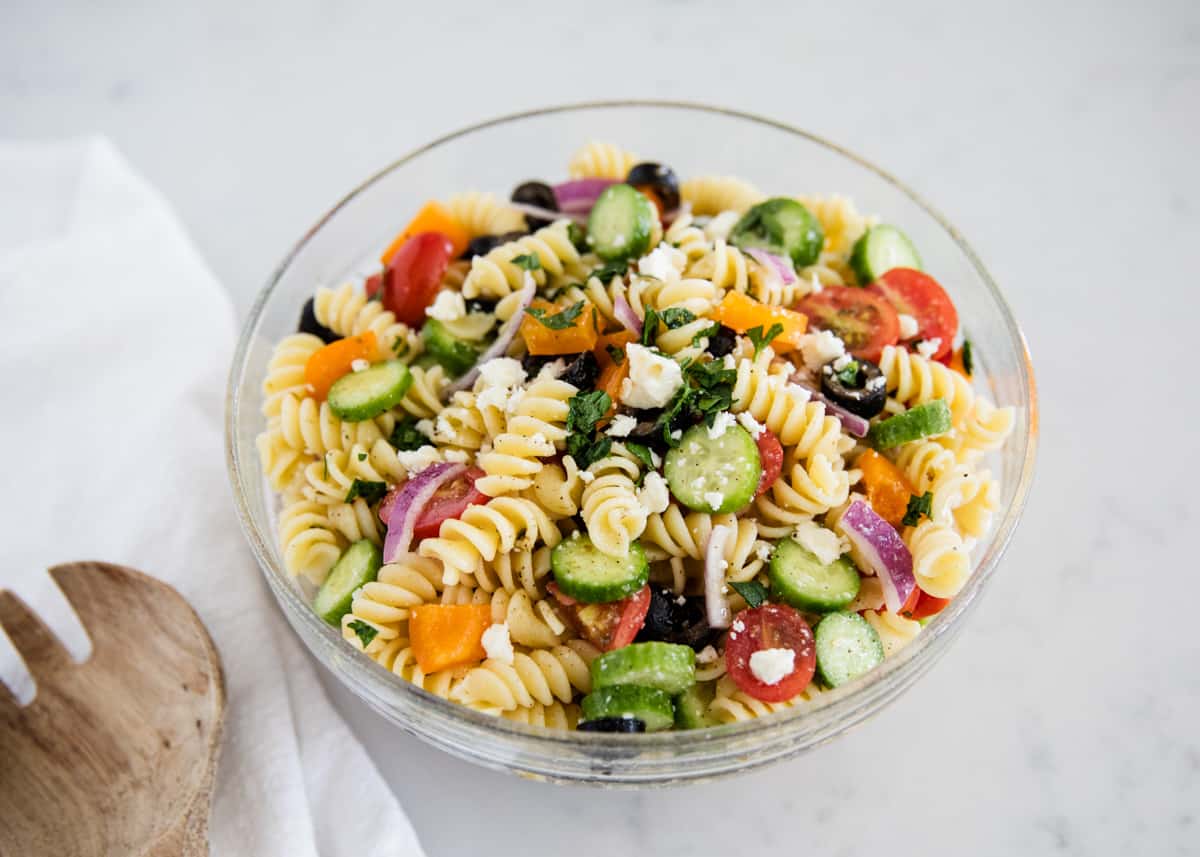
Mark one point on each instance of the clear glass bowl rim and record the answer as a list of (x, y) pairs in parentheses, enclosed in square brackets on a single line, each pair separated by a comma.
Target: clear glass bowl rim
[(854, 702)]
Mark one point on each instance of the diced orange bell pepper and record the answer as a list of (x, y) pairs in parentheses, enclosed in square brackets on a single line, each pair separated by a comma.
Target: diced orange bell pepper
[(336, 359), (612, 374), (433, 217), (579, 336), (448, 635), (743, 313), (958, 365), (888, 491)]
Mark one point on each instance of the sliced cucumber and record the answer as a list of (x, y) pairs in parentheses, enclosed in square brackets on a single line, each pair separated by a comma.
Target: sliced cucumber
[(648, 704), (880, 249), (781, 226), (357, 566), (803, 581), (847, 647), (665, 666), (620, 224), (691, 706), (457, 355), (587, 574), (927, 420), (367, 394), (710, 474)]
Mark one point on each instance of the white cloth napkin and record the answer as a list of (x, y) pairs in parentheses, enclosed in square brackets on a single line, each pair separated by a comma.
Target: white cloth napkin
[(115, 339)]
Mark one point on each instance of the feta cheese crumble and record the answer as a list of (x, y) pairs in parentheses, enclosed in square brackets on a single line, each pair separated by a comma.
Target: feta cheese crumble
[(820, 347), (447, 306), (928, 347), (653, 494), (714, 499), (416, 460), (653, 379), (825, 545), (497, 644), (622, 425), (662, 263), (502, 372), (360, 365), (750, 424), (707, 655), (771, 666), (721, 422), (908, 326)]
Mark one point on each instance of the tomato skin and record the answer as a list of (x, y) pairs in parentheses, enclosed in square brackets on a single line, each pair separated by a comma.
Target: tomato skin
[(863, 319), (771, 626), (927, 605), (917, 294), (450, 501), (413, 276), (607, 626), (373, 284), (770, 450)]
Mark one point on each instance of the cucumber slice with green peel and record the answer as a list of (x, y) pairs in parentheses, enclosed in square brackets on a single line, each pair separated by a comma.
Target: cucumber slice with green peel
[(781, 226), (666, 666), (927, 420), (358, 566), (367, 394), (456, 355), (620, 224), (691, 706), (648, 704), (710, 474), (847, 647), (587, 574), (880, 249), (803, 581)]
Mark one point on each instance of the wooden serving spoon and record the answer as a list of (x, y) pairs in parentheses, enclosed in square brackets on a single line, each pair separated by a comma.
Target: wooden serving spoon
[(115, 756)]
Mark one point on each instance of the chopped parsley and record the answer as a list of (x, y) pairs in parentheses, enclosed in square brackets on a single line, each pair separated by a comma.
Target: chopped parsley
[(761, 340), (707, 391), (585, 411), (753, 591), (405, 436), (968, 357), (849, 374), (362, 456), (365, 632), (609, 270), (707, 333), (650, 327), (918, 507), (617, 355), (642, 453), (577, 236), (677, 317), (527, 261), (369, 490), (560, 320)]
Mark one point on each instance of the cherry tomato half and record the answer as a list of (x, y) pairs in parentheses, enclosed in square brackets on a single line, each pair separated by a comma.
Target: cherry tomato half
[(449, 501), (770, 450), (373, 284), (771, 626), (927, 605), (413, 276), (864, 320), (917, 294), (607, 626)]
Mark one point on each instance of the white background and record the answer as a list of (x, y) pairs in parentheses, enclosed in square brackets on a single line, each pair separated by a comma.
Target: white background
[(1064, 141)]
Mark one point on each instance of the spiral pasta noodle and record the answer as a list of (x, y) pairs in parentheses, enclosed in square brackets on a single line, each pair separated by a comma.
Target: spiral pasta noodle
[(724, 265), (941, 561), (802, 491), (674, 533), (309, 541), (495, 275), (282, 463), (598, 160), (557, 488), (502, 525), (913, 380), (347, 311), (535, 677), (731, 704), (285, 370), (484, 214), (840, 221), (397, 655), (384, 603), (611, 511), (312, 427), (357, 521), (895, 632), (533, 429), (715, 194), (688, 238), (424, 398)]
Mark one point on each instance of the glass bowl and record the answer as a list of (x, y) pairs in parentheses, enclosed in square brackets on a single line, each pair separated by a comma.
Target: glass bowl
[(695, 140)]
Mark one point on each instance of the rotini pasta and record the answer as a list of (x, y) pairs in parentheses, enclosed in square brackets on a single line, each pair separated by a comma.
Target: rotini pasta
[(715, 194), (347, 311), (495, 275), (502, 525), (601, 161), (611, 511), (484, 214)]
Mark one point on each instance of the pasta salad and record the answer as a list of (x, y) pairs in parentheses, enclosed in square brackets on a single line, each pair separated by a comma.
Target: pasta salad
[(626, 453)]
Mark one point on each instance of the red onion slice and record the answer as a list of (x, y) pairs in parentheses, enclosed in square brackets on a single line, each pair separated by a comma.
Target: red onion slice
[(715, 602), (625, 314), (402, 518), (781, 266), (547, 214), (580, 195), (878, 546), (503, 339), (851, 422)]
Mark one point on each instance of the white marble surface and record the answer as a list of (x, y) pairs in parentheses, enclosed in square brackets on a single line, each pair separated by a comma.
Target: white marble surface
[(1061, 138)]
